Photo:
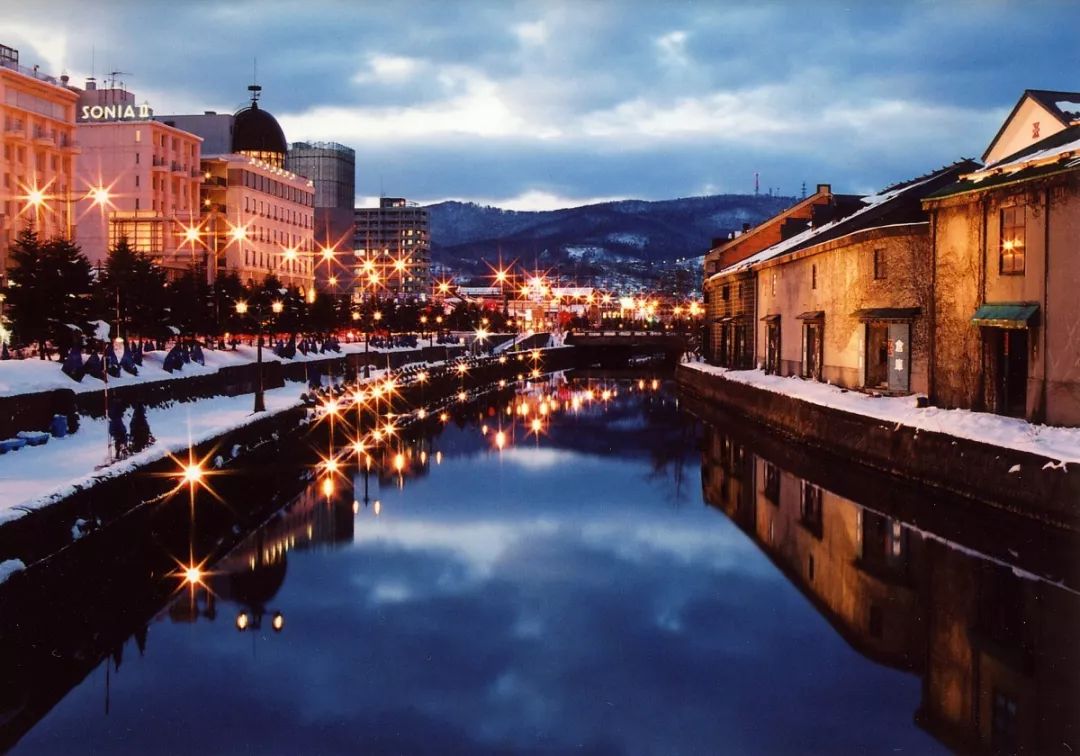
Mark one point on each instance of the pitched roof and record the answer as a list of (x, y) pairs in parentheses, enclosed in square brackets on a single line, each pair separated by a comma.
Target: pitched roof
[(899, 203), (1063, 106), (1057, 153)]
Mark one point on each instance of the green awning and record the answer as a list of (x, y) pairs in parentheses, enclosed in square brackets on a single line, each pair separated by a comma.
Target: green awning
[(1006, 315), (887, 313), (812, 315), (771, 318)]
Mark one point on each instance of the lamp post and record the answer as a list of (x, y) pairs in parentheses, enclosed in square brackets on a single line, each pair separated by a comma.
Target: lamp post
[(242, 308), (375, 318)]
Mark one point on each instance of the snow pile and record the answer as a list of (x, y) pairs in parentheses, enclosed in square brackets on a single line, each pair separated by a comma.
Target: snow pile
[(9, 567), (1061, 444), (34, 375)]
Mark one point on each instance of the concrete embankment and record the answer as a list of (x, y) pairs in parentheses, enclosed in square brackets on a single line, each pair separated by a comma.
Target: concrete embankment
[(1022, 482)]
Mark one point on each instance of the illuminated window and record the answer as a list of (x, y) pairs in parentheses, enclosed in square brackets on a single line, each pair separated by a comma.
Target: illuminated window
[(143, 235), (1013, 240)]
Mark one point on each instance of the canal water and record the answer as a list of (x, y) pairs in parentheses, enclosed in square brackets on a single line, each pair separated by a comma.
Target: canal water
[(600, 572)]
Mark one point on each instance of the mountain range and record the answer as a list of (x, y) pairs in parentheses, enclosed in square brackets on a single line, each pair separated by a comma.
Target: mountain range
[(621, 244)]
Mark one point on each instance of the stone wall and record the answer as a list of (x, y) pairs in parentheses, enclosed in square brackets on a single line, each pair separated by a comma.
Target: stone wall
[(969, 468)]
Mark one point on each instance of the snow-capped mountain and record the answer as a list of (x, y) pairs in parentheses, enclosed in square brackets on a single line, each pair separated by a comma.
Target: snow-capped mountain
[(625, 244)]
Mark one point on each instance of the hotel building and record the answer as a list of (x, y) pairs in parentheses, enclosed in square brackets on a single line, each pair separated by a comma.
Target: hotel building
[(257, 218), (393, 249), (137, 179), (37, 163)]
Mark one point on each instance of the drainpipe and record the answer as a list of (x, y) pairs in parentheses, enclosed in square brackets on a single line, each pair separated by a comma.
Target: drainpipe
[(931, 368), (980, 381), (1043, 314), (754, 320)]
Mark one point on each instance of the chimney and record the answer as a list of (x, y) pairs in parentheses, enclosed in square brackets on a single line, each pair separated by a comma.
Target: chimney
[(745, 227), (91, 84), (824, 189)]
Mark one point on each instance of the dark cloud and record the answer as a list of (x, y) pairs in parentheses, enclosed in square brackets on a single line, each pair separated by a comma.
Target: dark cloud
[(494, 100)]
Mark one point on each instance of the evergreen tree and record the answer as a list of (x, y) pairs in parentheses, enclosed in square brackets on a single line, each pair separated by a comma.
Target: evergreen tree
[(191, 302), (50, 289), (132, 291), (228, 290), (323, 313)]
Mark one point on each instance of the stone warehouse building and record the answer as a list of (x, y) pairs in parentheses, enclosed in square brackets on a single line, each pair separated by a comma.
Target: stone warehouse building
[(960, 284), (1006, 312), (842, 302), (730, 300)]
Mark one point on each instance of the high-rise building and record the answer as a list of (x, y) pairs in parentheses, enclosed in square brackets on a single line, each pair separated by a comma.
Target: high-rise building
[(332, 169), (393, 250), (37, 164), (257, 217)]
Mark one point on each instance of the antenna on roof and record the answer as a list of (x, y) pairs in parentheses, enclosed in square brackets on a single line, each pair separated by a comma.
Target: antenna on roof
[(757, 185), (254, 88), (113, 78)]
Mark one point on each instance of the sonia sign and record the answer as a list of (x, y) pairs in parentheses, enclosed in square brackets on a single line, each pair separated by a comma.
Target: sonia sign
[(114, 112)]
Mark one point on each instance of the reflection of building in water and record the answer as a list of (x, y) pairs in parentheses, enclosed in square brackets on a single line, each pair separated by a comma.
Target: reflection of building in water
[(1000, 668), (1004, 662), (252, 572)]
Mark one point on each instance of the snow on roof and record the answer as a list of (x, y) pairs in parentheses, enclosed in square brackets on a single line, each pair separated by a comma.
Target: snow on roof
[(1070, 108), (871, 201), (1051, 154)]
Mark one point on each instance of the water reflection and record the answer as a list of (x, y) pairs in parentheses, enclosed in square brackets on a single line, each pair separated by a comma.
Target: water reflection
[(994, 644), (471, 585)]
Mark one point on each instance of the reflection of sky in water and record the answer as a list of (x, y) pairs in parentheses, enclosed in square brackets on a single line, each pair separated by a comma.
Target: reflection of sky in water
[(544, 599)]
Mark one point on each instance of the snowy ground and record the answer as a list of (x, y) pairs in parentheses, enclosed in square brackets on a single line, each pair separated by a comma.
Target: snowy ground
[(29, 376), (36, 476), (1062, 444)]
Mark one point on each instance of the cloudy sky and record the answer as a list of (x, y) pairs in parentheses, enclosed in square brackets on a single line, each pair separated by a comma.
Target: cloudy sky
[(546, 104)]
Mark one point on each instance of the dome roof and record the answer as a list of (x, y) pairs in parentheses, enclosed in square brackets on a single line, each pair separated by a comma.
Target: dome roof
[(255, 130)]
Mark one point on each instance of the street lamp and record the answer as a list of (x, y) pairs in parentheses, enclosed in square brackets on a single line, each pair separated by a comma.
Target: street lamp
[(276, 308), (376, 317)]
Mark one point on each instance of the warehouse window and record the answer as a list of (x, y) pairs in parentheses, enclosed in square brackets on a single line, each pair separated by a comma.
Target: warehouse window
[(1013, 240)]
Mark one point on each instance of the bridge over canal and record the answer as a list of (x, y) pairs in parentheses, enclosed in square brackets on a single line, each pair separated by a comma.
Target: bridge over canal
[(615, 349)]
